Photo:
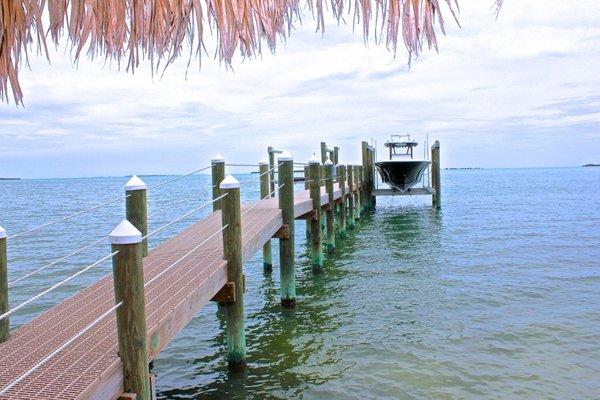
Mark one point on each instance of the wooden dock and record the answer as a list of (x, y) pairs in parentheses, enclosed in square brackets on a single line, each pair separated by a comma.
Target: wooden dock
[(71, 351)]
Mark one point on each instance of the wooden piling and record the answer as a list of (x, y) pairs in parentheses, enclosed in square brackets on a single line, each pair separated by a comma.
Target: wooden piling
[(231, 217), (360, 192), (4, 323), (315, 221), (286, 244), (436, 180), (272, 169), (351, 196), (218, 174), (336, 154), (329, 209), (263, 168), (323, 152), (307, 187), (342, 210), (131, 317), (136, 208)]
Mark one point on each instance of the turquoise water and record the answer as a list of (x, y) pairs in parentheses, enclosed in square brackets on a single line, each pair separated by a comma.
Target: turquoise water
[(495, 296)]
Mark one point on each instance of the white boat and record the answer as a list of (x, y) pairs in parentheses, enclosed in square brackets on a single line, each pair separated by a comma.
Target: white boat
[(403, 170)]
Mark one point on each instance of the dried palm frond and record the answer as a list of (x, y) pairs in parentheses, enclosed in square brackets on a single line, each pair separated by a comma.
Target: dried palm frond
[(157, 30)]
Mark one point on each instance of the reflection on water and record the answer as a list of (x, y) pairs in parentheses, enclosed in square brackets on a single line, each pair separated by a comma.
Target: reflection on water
[(495, 296)]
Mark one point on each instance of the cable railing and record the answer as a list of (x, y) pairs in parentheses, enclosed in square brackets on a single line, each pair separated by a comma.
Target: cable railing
[(59, 349), (53, 287), (47, 224), (181, 201), (185, 255), (268, 196), (178, 178), (259, 176), (11, 283), (184, 216)]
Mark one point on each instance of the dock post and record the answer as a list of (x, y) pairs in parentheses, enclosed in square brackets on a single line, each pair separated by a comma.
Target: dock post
[(329, 209), (286, 244), (323, 152), (350, 176), (131, 317), (307, 187), (272, 169), (322, 182), (371, 172), (336, 155), (136, 208), (263, 168), (4, 323), (342, 203), (315, 221), (231, 216), (218, 174), (436, 180), (361, 190)]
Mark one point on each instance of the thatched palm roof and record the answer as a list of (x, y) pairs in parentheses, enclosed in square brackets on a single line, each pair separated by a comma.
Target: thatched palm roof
[(156, 30)]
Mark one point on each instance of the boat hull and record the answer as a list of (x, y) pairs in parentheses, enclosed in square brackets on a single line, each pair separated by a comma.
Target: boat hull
[(401, 175)]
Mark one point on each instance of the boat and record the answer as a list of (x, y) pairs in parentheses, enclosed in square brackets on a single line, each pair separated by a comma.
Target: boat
[(403, 170)]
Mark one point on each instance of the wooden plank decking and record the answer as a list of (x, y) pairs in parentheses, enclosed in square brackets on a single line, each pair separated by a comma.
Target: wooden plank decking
[(90, 368)]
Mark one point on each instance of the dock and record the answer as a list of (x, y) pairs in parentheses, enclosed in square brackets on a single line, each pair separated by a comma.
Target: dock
[(98, 343)]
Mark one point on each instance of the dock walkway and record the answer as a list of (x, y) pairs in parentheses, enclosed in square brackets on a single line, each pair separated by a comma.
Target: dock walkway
[(90, 367)]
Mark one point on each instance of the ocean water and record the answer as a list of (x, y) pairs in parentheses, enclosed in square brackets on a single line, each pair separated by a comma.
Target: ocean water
[(495, 296)]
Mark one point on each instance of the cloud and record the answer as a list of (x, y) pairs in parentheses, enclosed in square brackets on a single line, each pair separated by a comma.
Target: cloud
[(496, 93)]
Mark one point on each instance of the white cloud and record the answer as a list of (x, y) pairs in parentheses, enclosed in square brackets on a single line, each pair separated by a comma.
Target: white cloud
[(530, 76)]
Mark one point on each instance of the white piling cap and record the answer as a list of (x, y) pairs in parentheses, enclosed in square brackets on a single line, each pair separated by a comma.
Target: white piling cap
[(125, 233), (229, 183), (328, 162), (285, 156), (2, 233), (264, 161), (314, 160), (135, 183), (217, 158)]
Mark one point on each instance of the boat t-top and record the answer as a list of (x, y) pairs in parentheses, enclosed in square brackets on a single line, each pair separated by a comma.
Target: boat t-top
[(403, 170)]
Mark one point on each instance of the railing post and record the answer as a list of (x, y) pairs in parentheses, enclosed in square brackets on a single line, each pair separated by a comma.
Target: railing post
[(342, 203), (263, 168), (218, 174), (436, 180), (231, 217), (4, 323), (307, 187), (329, 209), (136, 208), (351, 212), (131, 317), (315, 222), (286, 244)]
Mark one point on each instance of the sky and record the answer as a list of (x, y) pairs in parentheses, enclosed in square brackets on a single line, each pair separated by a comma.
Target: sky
[(519, 91)]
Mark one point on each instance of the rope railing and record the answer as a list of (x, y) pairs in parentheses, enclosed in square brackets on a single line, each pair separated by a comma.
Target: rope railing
[(66, 217), (178, 178), (184, 216), (185, 256), (11, 283), (181, 201), (258, 177), (59, 349), (268, 196), (37, 296)]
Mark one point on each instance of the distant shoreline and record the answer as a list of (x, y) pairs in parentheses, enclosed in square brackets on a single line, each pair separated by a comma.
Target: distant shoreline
[(10, 179), (591, 165)]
